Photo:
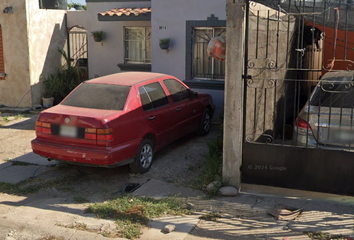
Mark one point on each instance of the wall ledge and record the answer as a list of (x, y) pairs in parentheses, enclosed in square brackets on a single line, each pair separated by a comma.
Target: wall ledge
[(205, 84), (134, 67)]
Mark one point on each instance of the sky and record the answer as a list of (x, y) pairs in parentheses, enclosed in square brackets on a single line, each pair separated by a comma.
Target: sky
[(83, 2)]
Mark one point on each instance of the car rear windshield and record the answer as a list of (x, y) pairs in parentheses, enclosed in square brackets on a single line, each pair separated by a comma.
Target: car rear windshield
[(339, 95), (98, 96)]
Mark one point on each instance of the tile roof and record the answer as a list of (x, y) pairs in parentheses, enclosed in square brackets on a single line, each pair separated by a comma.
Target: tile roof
[(126, 11)]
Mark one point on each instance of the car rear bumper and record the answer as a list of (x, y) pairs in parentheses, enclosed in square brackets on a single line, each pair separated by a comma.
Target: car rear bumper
[(304, 140), (119, 155)]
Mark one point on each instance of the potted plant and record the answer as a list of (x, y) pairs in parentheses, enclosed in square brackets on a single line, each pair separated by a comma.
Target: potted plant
[(98, 36), (164, 43), (49, 90), (59, 84)]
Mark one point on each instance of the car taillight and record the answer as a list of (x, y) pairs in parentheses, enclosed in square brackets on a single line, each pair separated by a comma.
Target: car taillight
[(105, 134), (301, 123), (42, 127), (101, 134), (90, 133)]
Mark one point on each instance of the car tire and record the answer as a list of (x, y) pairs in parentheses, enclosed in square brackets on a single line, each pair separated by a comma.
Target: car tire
[(143, 159), (205, 123)]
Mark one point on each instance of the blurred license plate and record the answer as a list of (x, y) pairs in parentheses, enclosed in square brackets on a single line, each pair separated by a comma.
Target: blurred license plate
[(344, 136), (68, 131)]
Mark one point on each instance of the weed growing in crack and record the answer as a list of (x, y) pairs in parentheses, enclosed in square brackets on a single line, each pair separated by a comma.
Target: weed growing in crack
[(132, 213), (212, 216), (6, 119), (212, 168), (324, 236)]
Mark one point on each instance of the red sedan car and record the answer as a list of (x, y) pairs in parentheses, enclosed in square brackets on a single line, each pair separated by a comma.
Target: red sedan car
[(121, 119)]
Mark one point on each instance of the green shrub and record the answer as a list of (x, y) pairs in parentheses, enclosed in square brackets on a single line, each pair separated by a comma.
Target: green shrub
[(212, 169), (62, 82)]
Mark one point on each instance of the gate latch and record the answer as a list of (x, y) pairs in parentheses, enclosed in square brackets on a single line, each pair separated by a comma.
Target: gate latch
[(246, 76)]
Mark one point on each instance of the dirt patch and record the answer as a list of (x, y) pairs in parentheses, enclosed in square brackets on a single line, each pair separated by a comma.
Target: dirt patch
[(17, 131)]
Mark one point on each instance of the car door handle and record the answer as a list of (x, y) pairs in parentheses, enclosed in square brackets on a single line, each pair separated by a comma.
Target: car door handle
[(152, 118), (178, 109)]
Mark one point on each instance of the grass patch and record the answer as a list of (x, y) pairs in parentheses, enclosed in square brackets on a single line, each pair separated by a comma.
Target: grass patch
[(79, 199), (51, 238), (17, 189), (212, 168), (194, 167), (9, 118), (324, 236), (18, 116), (132, 213), (15, 163), (6, 119), (8, 188), (33, 185)]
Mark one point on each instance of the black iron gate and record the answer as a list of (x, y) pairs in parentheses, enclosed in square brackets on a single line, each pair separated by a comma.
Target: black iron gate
[(299, 95)]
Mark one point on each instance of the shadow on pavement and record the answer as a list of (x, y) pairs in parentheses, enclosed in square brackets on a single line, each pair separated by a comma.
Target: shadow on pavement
[(28, 123)]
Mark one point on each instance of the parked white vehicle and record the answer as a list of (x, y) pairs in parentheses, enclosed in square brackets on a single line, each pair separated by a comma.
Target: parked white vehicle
[(326, 120)]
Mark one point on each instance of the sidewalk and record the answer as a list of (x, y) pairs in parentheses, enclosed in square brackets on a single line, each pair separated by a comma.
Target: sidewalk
[(245, 216)]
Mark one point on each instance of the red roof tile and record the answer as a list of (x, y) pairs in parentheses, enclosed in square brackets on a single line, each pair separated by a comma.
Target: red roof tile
[(126, 11)]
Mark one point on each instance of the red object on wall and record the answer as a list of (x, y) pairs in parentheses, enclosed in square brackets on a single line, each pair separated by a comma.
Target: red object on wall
[(336, 40), (217, 47), (2, 63)]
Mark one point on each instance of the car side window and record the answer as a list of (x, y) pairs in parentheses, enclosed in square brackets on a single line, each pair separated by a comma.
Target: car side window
[(152, 96), (145, 100), (177, 90)]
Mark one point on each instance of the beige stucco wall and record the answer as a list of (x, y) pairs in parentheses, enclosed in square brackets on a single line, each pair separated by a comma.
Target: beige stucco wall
[(16, 55), (30, 39), (104, 58), (46, 33)]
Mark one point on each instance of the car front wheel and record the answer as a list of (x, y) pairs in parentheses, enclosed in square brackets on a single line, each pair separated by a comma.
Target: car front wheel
[(143, 160), (204, 126)]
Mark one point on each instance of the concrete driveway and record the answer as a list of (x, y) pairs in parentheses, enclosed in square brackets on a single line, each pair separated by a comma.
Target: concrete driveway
[(56, 206), (58, 188)]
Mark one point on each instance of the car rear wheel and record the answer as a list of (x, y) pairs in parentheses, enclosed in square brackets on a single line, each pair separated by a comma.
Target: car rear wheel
[(143, 160), (204, 126)]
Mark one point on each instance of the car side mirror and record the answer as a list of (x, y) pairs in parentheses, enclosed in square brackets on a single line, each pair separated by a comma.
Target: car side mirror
[(193, 94)]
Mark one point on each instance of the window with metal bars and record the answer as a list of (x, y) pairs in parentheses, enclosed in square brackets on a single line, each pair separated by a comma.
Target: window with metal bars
[(204, 66), (137, 43)]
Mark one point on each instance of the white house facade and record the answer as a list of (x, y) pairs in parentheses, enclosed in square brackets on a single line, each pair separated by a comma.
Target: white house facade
[(133, 30)]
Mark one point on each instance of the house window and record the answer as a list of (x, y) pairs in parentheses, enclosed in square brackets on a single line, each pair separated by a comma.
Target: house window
[(2, 63), (205, 67), (137, 42)]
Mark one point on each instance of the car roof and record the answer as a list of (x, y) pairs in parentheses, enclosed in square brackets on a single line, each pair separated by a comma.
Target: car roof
[(338, 76), (127, 78)]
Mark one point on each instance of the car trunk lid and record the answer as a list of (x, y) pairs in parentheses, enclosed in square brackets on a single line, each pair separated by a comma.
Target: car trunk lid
[(332, 126), (75, 126), (330, 112)]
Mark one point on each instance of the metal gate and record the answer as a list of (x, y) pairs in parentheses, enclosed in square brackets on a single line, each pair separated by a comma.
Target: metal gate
[(77, 49), (299, 95)]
